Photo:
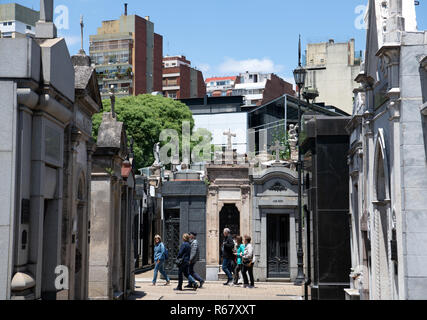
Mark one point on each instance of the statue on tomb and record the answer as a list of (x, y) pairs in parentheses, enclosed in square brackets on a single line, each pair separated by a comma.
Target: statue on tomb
[(156, 152), (293, 141)]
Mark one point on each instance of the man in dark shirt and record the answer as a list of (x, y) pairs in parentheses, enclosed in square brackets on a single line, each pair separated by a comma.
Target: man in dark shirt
[(227, 255)]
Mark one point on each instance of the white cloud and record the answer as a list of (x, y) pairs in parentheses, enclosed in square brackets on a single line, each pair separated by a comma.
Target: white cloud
[(232, 66)]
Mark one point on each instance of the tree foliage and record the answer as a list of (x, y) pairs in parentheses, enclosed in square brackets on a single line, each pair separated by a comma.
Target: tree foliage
[(283, 137), (145, 116)]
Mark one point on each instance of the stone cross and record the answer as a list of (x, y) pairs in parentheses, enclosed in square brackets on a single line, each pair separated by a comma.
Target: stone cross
[(229, 136), (46, 10), (82, 51), (277, 148)]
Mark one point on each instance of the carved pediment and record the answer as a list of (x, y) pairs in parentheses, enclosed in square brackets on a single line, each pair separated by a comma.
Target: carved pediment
[(278, 187)]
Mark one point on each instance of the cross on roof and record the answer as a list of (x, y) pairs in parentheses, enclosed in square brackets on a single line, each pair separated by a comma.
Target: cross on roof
[(277, 148), (229, 136), (82, 51)]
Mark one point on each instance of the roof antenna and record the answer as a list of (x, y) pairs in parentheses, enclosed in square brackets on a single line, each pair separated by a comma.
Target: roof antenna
[(126, 9)]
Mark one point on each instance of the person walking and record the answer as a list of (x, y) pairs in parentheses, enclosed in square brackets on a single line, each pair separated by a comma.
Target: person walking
[(239, 263), (248, 264), (227, 255), (194, 258), (183, 262), (159, 260)]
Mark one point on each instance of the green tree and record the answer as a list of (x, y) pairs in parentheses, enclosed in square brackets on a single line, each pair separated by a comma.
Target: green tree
[(280, 135), (145, 116)]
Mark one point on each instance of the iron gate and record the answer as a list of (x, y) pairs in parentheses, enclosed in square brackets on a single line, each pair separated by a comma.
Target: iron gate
[(172, 239), (278, 246)]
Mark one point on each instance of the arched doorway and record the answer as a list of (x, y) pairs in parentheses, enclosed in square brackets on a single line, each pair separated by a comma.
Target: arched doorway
[(229, 217)]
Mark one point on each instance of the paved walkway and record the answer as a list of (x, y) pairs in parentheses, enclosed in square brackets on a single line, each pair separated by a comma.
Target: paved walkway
[(214, 290)]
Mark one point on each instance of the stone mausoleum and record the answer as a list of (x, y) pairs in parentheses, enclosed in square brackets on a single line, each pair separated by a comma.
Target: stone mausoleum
[(388, 159), (37, 89), (184, 211), (275, 200)]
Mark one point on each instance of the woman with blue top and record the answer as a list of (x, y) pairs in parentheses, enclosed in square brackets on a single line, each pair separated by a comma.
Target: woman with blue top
[(239, 266), (159, 260)]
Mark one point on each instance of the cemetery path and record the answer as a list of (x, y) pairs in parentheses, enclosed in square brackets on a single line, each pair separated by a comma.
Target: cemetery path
[(215, 290)]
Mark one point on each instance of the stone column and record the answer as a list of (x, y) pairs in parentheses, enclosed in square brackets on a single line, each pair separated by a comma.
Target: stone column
[(45, 28), (8, 143), (246, 211), (212, 234)]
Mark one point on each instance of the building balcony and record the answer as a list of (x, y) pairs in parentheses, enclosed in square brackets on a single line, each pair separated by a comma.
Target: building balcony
[(169, 88)]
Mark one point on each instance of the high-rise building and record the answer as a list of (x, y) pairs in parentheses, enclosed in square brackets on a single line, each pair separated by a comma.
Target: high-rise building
[(261, 88), (128, 56), (180, 80), (331, 70), (17, 21)]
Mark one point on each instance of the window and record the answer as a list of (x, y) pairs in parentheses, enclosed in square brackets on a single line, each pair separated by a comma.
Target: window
[(9, 23), (29, 28), (5, 23)]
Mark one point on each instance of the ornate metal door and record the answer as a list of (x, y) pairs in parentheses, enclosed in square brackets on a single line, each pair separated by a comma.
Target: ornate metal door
[(278, 246), (172, 239)]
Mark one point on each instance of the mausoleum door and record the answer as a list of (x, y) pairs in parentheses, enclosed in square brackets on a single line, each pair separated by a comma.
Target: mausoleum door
[(51, 243), (79, 261), (172, 238), (278, 246), (229, 217)]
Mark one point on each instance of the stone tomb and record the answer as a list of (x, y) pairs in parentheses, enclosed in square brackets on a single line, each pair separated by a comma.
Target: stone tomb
[(229, 205), (275, 201), (184, 211), (326, 210), (79, 147), (111, 211), (37, 98)]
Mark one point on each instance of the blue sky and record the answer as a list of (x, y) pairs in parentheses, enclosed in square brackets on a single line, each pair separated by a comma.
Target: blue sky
[(230, 36)]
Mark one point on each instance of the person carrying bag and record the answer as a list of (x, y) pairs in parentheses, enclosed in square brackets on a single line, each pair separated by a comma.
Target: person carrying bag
[(248, 264)]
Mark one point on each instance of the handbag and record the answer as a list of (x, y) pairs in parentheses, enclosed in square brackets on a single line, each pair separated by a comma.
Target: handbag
[(247, 262)]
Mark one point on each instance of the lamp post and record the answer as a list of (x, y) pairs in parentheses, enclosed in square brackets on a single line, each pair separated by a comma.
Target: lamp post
[(300, 74)]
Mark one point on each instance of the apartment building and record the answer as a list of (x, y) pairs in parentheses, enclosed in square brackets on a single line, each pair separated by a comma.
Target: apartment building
[(128, 56), (331, 70), (180, 80), (260, 88), (221, 86), (17, 21)]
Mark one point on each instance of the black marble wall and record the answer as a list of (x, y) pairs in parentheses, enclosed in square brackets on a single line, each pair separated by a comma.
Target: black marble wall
[(325, 150), (189, 199)]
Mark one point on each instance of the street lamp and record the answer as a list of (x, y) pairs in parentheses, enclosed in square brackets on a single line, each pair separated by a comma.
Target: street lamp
[(299, 75)]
